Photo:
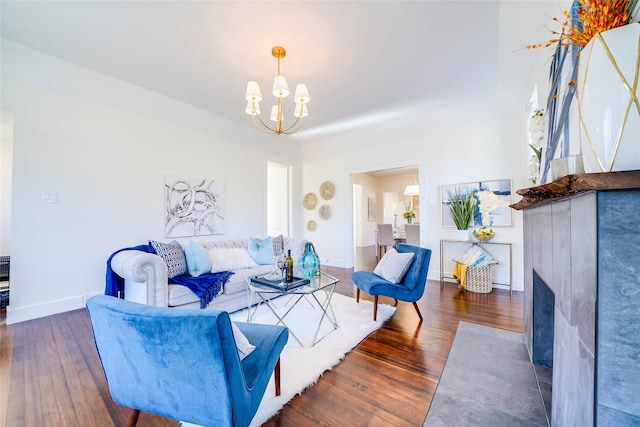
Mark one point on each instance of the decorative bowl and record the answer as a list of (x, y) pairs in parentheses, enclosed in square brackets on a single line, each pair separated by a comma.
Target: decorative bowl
[(483, 236)]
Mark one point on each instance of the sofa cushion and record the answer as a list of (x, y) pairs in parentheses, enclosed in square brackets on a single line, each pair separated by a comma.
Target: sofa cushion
[(230, 259), (173, 256), (181, 295), (198, 261), (261, 252)]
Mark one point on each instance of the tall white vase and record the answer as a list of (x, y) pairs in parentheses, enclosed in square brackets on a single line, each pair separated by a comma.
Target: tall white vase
[(608, 100)]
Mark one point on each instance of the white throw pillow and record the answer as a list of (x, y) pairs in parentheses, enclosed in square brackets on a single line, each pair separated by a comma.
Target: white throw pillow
[(394, 265), (230, 259), (244, 346)]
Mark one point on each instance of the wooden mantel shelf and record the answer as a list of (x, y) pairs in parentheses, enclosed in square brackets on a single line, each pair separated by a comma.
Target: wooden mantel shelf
[(576, 184)]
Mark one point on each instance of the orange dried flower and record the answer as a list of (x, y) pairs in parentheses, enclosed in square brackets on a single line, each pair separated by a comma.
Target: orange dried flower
[(592, 17)]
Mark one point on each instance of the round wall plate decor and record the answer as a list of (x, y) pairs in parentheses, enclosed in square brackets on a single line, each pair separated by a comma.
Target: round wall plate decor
[(327, 189), (324, 212), (309, 201), (311, 225)]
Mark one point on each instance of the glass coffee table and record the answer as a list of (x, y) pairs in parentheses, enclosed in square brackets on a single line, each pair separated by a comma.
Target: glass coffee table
[(318, 292)]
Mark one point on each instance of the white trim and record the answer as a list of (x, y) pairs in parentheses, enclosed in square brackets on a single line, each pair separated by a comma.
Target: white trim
[(31, 312)]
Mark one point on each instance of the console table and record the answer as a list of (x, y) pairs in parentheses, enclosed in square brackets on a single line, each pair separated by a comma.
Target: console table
[(443, 248)]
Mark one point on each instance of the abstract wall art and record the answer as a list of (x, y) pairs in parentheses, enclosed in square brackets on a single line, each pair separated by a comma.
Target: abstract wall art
[(193, 206), (492, 202)]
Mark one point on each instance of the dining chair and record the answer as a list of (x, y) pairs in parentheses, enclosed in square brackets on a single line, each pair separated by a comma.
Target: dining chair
[(412, 232), (184, 364), (385, 238)]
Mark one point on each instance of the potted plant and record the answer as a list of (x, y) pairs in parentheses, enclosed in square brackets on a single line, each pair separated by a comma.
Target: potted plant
[(409, 213), (462, 205)]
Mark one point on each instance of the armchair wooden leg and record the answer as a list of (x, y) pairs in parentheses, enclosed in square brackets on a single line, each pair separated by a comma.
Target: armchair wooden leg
[(276, 375), (375, 308), (357, 294), (133, 418), (415, 304)]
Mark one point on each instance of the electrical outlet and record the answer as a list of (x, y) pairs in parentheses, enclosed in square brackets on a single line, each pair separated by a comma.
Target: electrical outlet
[(49, 197)]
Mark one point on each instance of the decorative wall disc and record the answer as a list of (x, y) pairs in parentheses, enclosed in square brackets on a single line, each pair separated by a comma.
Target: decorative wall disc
[(326, 190), (311, 225), (310, 200), (324, 212)]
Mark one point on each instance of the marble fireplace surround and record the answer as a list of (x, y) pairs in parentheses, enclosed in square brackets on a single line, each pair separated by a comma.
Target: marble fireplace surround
[(582, 240)]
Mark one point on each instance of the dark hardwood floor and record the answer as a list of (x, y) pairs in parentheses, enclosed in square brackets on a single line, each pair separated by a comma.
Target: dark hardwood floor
[(50, 374)]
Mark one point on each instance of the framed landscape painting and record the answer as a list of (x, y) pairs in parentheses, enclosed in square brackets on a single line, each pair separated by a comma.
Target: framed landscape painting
[(492, 202)]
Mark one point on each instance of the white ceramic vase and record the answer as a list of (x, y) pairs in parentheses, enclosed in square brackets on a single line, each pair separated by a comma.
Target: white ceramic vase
[(608, 100)]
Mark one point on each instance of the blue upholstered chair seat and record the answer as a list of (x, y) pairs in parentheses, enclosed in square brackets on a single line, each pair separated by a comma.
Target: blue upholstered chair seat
[(183, 364), (410, 288), (373, 284)]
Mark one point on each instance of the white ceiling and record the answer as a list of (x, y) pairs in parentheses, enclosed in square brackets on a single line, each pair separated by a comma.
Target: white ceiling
[(363, 61)]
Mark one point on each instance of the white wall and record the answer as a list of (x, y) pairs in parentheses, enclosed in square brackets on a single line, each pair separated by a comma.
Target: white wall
[(477, 141), (6, 156), (104, 146)]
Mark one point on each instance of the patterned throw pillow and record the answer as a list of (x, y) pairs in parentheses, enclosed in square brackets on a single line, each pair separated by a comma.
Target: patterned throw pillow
[(475, 256), (278, 244), (173, 256)]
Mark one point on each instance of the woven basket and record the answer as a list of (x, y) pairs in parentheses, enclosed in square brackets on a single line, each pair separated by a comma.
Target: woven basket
[(479, 279)]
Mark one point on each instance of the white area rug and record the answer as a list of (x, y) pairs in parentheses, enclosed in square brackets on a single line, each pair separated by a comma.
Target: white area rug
[(301, 367)]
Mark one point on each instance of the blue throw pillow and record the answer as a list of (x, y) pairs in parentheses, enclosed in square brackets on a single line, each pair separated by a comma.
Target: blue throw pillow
[(198, 261), (261, 252)]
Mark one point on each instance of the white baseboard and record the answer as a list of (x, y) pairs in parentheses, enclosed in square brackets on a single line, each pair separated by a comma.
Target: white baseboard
[(22, 314)]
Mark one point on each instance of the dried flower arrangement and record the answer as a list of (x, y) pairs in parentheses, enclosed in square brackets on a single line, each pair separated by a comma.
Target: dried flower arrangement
[(591, 18)]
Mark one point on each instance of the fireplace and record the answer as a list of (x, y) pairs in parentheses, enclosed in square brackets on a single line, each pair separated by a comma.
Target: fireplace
[(581, 304), (542, 343)]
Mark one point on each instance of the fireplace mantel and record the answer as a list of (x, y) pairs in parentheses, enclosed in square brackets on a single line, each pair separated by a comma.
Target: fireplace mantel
[(582, 239), (572, 185)]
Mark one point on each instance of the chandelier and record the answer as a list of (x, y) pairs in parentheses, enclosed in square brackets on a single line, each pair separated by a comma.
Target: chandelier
[(280, 90)]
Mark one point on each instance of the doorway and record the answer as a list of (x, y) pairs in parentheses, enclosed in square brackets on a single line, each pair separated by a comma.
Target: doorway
[(384, 190), (278, 199)]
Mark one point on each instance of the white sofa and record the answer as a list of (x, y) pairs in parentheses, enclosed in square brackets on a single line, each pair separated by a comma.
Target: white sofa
[(146, 281)]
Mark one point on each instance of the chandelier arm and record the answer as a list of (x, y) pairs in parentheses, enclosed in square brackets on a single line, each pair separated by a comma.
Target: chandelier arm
[(298, 122), (269, 131)]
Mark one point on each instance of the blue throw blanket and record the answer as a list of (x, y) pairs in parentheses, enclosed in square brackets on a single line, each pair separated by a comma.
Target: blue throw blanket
[(114, 283), (205, 286)]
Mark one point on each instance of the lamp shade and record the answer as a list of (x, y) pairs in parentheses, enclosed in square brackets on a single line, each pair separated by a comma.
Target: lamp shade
[(253, 108), (274, 114), (301, 110), (253, 92), (302, 93), (280, 88), (412, 190)]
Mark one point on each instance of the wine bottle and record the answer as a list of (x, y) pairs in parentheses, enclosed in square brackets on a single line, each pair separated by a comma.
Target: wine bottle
[(289, 262)]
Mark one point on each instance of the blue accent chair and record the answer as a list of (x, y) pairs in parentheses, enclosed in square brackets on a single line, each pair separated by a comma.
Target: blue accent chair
[(183, 364), (410, 289)]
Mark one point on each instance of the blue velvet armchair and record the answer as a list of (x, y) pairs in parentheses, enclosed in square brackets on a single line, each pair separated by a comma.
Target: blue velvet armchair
[(410, 288), (183, 364)]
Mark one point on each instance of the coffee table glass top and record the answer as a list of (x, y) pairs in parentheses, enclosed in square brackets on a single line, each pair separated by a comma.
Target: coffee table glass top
[(315, 284)]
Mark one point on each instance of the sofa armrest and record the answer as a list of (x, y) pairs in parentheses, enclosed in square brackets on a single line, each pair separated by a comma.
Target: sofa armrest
[(145, 277)]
